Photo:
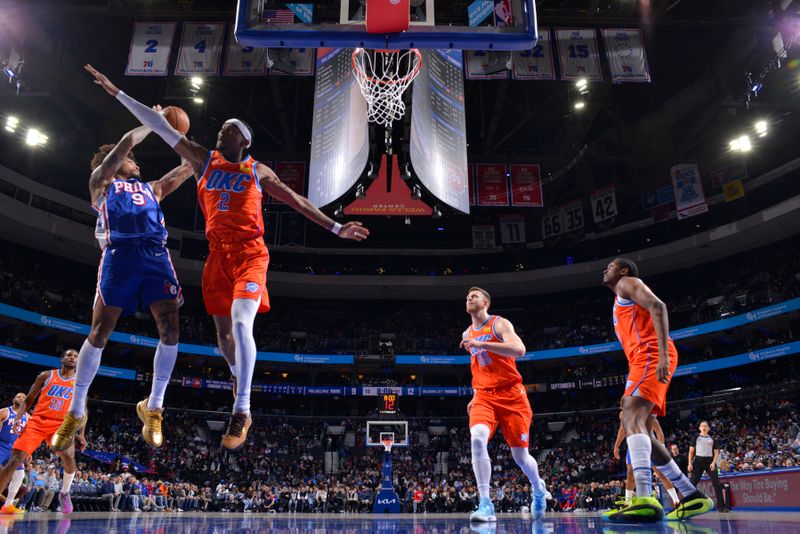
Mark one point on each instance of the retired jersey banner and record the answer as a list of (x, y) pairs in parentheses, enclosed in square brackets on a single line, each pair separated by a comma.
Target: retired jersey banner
[(577, 53), (245, 61), (626, 56), (572, 216), (604, 204), (689, 197), (292, 61), (486, 65), (201, 46), (526, 185), (537, 63), (150, 49), (293, 174), (492, 184)]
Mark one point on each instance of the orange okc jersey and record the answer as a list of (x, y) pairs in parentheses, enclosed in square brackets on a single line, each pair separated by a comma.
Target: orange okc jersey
[(55, 397), (635, 330), (230, 198), (490, 370)]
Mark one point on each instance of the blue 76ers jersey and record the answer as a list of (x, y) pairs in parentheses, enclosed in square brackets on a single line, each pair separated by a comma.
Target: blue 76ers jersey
[(7, 435), (127, 213)]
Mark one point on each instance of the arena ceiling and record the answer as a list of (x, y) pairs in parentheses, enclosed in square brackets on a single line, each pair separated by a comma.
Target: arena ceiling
[(629, 134)]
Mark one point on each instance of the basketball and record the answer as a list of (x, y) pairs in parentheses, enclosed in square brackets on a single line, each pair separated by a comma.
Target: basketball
[(177, 118)]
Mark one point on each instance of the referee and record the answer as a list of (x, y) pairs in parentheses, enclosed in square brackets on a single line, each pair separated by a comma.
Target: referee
[(703, 456)]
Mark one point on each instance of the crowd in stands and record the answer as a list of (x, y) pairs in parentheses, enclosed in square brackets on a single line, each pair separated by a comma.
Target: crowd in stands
[(282, 467)]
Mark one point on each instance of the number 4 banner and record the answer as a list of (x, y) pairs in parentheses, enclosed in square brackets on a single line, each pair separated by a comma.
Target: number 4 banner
[(201, 46), (150, 49), (577, 51), (604, 204)]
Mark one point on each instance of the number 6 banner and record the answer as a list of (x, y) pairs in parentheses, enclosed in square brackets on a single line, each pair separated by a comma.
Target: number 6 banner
[(150, 49), (201, 46), (577, 51)]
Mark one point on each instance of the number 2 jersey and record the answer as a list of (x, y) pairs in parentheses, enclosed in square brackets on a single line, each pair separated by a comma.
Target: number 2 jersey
[(128, 212), (490, 370), (55, 398)]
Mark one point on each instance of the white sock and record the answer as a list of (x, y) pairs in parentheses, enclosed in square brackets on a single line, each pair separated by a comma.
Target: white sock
[(673, 495), (85, 371), (640, 448), (243, 316), (66, 484), (163, 363), (629, 495), (528, 464), (481, 464), (14, 485), (678, 479)]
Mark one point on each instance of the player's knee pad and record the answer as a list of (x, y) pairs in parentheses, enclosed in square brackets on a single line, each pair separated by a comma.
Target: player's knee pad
[(479, 435)]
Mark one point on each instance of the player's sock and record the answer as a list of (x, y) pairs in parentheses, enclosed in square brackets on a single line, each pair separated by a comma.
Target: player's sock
[(14, 485), (243, 316), (481, 464), (640, 447), (66, 484), (528, 464), (88, 363), (163, 363), (629, 495), (673, 495), (678, 479)]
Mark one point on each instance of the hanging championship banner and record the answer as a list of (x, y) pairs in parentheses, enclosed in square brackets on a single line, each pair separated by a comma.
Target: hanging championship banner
[(526, 185), (486, 65), (537, 63), (150, 49), (492, 184), (572, 216), (626, 56), (719, 177), (247, 61), (552, 224), (604, 204), (689, 197), (512, 229), (471, 184), (733, 190), (292, 61), (577, 53), (293, 174), (201, 46)]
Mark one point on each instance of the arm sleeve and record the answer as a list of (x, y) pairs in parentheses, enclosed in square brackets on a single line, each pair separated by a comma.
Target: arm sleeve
[(152, 119)]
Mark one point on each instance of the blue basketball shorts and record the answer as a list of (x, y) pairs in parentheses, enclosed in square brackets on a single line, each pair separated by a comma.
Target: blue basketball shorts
[(5, 455), (132, 277)]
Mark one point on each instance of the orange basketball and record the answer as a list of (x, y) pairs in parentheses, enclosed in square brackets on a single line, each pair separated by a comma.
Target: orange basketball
[(177, 118)]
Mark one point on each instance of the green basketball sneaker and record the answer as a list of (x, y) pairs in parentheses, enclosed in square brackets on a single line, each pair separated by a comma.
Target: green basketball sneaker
[(695, 504), (640, 510)]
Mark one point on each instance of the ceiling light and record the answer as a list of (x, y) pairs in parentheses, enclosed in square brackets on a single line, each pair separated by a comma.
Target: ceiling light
[(197, 100), (744, 144), (581, 84), (196, 80), (35, 137), (761, 128), (580, 105)]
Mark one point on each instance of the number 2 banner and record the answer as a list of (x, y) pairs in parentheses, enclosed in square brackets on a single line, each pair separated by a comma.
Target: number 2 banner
[(577, 52), (201, 46), (150, 49), (537, 63)]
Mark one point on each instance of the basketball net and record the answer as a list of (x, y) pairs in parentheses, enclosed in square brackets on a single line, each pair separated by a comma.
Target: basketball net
[(387, 444), (383, 76)]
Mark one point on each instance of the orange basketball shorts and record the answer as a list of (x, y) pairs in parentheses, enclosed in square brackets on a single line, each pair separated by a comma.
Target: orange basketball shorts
[(643, 382), (238, 273), (507, 408), (37, 430)]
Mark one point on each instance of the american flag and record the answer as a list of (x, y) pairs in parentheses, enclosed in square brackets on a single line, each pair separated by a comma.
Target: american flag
[(279, 16)]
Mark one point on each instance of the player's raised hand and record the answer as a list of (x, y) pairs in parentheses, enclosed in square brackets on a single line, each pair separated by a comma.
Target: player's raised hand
[(354, 230), (101, 80)]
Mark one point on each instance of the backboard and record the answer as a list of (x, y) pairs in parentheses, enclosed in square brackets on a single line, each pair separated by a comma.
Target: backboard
[(446, 24), (377, 430)]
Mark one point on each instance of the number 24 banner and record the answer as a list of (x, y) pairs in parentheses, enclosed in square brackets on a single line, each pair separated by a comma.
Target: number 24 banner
[(150, 49), (577, 52), (201, 47)]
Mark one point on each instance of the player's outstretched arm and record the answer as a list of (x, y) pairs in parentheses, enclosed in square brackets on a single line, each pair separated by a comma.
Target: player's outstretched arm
[(275, 187), (104, 174), (172, 180), (511, 345), (30, 398), (153, 119), (634, 289)]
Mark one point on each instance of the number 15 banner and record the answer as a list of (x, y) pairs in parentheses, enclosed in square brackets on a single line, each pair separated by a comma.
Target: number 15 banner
[(626, 57), (577, 51), (201, 46), (150, 48)]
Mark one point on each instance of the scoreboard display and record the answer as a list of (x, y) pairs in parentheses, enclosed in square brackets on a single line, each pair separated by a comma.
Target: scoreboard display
[(388, 404)]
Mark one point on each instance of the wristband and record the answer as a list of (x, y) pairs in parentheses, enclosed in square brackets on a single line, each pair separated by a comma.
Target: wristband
[(336, 228)]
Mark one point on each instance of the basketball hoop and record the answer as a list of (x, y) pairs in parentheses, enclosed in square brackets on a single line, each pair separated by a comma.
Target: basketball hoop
[(383, 76), (387, 444)]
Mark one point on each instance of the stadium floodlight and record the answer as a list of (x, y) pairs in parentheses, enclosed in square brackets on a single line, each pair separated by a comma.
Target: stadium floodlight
[(12, 123), (582, 83), (741, 144), (761, 128), (580, 104), (197, 100), (35, 138)]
